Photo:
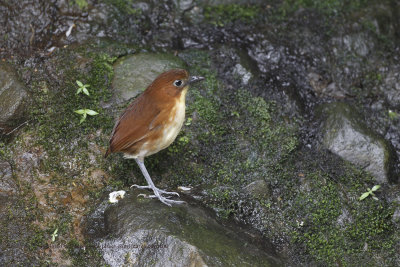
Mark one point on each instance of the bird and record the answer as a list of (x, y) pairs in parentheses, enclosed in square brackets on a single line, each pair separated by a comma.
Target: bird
[(151, 123)]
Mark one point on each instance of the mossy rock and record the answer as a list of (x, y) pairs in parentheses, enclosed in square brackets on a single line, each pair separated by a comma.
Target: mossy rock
[(184, 235)]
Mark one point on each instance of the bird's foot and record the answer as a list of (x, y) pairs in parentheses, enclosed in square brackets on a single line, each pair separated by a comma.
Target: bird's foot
[(160, 191), (163, 199)]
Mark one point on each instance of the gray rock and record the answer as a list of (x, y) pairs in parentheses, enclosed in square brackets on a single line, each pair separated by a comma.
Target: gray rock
[(240, 2), (396, 216), (144, 232), (12, 95), (258, 189), (323, 87), (132, 74), (243, 73), (358, 43), (183, 5), (266, 54), (391, 87), (345, 134), (7, 184)]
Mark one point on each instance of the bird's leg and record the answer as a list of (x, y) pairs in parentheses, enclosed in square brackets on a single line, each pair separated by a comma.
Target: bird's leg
[(157, 192)]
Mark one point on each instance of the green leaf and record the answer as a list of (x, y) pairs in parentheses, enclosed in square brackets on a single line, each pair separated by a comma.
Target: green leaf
[(79, 83), (188, 122), (85, 91), (364, 195), (80, 111), (91, 112), (83, 118), (376, 187), (54, 235)]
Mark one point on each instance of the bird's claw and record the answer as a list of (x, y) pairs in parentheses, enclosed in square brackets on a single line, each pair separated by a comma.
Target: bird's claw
[(158, 193), (140, 186), (170, 201)]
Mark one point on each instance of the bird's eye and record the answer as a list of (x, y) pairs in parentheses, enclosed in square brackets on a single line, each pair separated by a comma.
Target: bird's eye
[(178, 83)]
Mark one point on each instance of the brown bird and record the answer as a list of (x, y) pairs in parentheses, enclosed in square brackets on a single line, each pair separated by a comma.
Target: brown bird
[(152, 122)]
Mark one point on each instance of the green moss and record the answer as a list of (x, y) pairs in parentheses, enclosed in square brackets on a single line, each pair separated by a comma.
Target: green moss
[(57, 126), (342, 230), (124, 6), (220, 15), (82, 4), (326, 7), (5, 152), (84, 254), (37, 239)]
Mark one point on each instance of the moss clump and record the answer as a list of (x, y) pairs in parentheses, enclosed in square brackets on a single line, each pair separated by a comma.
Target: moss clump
[(220, 15), (82, 4), (37, 239), (334, 227), (326, 7), (124, 6), (84, 254), (57, 126)]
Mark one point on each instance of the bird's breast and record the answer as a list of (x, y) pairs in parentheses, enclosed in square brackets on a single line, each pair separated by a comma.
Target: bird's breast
[(174, 122)]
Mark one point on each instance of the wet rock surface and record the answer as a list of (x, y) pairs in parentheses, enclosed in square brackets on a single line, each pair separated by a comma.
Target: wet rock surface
[(251, 148), (345, 135), (186, 235)]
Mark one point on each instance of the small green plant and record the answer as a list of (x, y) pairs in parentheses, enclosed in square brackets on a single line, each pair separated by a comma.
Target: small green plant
[(393, 115), (82, 88), (85, 112), (188, 121), (370, 192), (82, 4), (54, 235)]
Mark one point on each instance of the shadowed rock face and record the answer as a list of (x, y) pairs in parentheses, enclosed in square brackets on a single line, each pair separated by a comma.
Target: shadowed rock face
[(142, 231), (13, 96)]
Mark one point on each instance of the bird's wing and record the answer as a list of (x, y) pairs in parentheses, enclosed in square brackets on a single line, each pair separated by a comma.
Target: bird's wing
[(135, 123)]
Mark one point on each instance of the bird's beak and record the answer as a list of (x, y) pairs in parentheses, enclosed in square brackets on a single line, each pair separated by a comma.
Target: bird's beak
[(194, 79)]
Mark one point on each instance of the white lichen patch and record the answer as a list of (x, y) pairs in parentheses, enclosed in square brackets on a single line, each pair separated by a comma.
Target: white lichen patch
[(115, 196)]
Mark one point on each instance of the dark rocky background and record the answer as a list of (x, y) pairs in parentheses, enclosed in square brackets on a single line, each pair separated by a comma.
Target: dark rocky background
[(298, 117)]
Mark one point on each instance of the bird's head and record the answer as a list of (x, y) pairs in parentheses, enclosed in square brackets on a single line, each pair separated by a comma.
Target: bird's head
[(173, 82)]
